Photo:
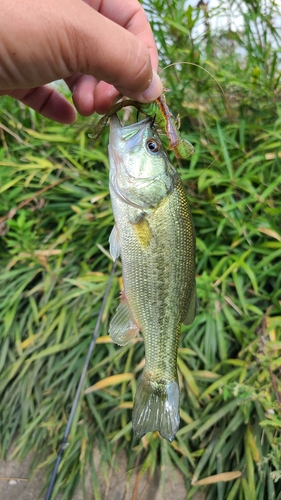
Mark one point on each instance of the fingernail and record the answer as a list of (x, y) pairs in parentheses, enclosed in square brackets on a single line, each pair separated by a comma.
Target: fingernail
[(154, 90)]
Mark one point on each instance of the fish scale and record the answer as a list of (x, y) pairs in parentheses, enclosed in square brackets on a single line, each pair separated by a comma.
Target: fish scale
[(154, 236)]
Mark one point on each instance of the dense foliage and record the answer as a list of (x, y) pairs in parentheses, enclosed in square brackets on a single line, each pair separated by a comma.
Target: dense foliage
[(55, 221)]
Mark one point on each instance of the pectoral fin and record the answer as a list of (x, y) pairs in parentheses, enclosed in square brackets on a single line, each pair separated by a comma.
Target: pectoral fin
[(191, 312), (123, 327), (114, 246)]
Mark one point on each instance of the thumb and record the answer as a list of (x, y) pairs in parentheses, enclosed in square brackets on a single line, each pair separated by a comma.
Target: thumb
[(107, 51)]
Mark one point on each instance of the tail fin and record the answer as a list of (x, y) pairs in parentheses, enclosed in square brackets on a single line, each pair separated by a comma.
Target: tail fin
[(156, 408)]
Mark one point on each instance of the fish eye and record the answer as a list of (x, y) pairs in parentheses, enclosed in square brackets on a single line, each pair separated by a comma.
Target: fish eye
[(152, 146)]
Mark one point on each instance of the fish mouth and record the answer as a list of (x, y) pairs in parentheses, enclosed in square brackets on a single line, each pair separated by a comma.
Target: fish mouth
[(115, 124), (115, 128), (131, 133)]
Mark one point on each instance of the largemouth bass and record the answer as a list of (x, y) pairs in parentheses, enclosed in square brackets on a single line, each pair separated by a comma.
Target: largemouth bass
[(154, 236)]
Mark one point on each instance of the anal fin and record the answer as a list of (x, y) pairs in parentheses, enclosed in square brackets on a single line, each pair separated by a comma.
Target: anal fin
[(123, 327)]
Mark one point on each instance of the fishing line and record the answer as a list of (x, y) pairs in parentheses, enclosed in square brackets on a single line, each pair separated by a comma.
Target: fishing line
[(228, 110), (64, 442)]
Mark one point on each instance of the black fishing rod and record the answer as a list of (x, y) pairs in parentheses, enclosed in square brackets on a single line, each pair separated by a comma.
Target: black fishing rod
[(64, 442)]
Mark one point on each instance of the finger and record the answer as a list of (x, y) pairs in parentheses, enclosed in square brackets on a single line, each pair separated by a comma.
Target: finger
[(119, 58), (83, 91), (80, 40), (105, 96), (91, 96), (48, 102), (130, 15)]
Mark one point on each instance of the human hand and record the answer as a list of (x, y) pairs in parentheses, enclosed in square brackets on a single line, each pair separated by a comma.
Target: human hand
[(101, 48)]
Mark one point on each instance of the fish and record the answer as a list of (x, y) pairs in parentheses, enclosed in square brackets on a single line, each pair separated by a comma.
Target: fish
[(154, 236)]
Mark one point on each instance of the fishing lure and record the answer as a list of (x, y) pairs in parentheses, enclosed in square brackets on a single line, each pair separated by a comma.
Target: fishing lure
[(163, 118)]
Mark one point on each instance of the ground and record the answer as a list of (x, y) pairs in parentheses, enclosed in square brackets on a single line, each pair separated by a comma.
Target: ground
[(15, 484)]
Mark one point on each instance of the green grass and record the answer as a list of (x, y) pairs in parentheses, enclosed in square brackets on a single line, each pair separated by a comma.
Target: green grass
[(55, 221)]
